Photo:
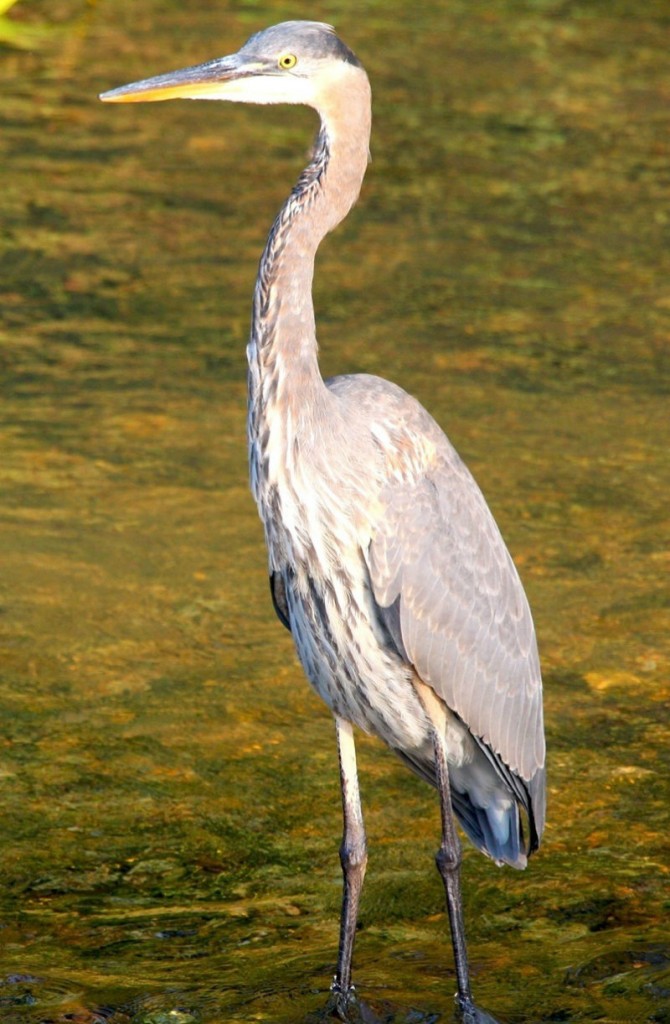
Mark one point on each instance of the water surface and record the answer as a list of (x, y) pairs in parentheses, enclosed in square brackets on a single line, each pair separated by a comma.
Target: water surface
[(169, 784)]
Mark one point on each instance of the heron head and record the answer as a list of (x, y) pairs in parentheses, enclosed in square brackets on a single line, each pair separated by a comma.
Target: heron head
[(294, 62)]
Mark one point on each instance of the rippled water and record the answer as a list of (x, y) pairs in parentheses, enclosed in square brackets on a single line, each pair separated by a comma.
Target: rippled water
[(169, 784)]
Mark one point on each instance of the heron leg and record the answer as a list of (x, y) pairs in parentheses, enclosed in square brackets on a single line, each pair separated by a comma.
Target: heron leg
[(448, 859), (449, 856), (354, 857)]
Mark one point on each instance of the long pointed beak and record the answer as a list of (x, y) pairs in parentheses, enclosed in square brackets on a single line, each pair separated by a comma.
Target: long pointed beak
[(213, 80)]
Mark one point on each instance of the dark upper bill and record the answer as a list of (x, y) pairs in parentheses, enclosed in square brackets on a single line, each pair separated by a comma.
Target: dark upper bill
[(201, 81)]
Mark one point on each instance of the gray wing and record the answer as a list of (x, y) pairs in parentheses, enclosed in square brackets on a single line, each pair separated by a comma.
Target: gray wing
[(452, 600)]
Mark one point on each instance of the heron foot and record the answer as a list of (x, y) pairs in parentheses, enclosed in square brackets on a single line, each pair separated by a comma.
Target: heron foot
[(347, 1007), (468, 1013), (343, 1000)]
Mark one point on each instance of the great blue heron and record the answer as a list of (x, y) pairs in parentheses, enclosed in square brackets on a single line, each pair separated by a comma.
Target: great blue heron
[(385, 562)]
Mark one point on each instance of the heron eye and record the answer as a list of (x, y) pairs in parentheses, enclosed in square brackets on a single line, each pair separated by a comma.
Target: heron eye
[(287, 61)]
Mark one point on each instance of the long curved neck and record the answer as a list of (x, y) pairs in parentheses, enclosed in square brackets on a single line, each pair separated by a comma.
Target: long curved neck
[(284, 377)]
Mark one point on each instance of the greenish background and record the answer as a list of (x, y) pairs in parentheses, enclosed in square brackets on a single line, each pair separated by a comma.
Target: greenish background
[(169, 793)]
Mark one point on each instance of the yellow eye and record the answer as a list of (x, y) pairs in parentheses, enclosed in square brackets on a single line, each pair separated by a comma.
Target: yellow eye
[(287, 61)]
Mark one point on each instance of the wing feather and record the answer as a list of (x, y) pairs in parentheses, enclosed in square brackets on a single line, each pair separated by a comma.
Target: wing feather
[(436, 556)]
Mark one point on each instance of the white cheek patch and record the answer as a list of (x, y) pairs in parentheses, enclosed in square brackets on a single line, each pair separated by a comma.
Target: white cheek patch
[(262, 89)]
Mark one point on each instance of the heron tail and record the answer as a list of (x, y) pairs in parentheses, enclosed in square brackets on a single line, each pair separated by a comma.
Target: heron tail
[(486, 807)]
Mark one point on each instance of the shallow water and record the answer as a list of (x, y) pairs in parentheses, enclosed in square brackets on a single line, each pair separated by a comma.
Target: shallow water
[(169, 784)]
